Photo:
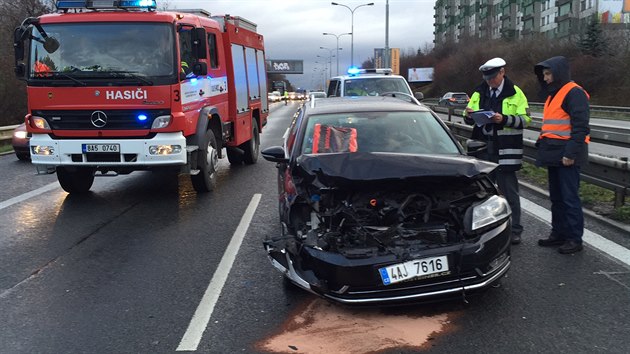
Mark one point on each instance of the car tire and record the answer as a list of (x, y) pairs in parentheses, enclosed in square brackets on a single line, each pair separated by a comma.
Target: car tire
[(207, 161), (23, 157), (75, 180), (251, 148)]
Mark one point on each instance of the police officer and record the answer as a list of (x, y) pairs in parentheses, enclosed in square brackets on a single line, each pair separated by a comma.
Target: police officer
[(504, 133), (563, 149)]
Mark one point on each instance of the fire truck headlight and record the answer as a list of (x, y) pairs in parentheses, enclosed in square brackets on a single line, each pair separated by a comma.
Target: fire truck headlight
[(40, 122), (164, 149), (42, 150), (161, 122)]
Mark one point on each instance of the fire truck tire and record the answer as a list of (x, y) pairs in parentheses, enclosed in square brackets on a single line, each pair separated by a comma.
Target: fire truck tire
[(251, 148), (234, 155), (208, 159), (75, 180)]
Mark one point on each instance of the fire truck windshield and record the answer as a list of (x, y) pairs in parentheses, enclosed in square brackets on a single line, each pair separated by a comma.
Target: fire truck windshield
[(141, 52)]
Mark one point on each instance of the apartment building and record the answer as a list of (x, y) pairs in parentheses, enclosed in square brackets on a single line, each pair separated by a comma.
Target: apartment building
[(514, 19)]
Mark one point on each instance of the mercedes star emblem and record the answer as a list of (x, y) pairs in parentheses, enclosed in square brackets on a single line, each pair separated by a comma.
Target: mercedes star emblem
[(99, 119)]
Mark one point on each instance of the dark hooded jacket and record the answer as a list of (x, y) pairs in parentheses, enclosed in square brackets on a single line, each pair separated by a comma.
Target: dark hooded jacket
[(551, 151)]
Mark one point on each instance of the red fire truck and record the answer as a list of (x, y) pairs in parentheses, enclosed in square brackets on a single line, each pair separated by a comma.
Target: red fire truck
[(117, 86)]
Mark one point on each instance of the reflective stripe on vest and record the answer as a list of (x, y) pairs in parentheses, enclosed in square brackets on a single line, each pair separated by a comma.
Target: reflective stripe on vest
[(557, 122), (329, 139)]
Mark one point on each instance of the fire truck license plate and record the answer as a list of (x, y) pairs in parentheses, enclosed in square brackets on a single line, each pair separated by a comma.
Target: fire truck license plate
[(90, 148)]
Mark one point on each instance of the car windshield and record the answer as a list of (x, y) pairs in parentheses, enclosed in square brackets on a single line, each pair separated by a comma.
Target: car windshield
[(374, 86), (94, 50), (392, 132), (460, 95)]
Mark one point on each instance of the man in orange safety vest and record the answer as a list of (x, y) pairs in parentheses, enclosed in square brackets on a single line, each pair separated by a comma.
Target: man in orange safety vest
[(563, 149)]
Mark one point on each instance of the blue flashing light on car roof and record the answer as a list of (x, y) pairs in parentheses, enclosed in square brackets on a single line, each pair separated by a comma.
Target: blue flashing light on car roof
[(353, 70)]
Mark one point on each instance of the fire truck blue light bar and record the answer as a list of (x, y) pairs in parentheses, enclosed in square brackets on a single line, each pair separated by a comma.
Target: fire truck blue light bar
[(148, 4), (71, 4), (106, 4)]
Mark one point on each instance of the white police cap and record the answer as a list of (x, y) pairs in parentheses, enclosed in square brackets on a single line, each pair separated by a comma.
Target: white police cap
[(491, 68)]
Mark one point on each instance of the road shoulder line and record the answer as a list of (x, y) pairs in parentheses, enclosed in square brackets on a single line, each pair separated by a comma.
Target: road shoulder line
[(593, 239)]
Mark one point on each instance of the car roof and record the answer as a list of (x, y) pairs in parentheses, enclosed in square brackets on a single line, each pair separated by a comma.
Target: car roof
[(363, 104), (367, 75)]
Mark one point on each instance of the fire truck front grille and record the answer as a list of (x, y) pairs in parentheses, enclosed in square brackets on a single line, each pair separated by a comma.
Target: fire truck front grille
[(101, 120), (107, 157)]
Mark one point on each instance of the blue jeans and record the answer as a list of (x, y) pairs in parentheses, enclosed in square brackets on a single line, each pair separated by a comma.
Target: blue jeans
[(567, 219)]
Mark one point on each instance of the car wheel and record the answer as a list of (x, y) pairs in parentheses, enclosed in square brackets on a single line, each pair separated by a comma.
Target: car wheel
[(251, 148), (75, 180), (207, 161), (23, 157)]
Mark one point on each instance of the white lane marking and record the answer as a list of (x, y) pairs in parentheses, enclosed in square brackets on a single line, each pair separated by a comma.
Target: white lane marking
[(611, 248), (31, 194), (202, 315)]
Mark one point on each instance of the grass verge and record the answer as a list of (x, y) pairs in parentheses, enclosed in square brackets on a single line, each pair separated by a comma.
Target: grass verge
[(597, 199)]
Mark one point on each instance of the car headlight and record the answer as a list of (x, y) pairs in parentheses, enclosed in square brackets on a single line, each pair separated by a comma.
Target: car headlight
[(20, 134), (492, 210)]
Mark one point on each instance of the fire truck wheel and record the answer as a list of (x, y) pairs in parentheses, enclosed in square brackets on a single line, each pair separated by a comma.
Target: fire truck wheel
[(207, 163), (75, 180), (251, 148), (234, 155)]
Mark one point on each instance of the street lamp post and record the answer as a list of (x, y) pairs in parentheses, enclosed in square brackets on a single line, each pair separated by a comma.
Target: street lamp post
[(352, 27), (337, 36), (328, 59)]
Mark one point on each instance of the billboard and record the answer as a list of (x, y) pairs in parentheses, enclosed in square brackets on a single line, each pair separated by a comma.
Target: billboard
[(284, 66), (420, 75), (614, 11), (379, 59)]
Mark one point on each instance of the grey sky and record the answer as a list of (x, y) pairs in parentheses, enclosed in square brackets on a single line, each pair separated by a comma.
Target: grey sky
[(293, 29)]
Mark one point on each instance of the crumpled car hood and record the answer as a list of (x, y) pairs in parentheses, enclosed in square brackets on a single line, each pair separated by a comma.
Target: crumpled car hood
[(345, 168)]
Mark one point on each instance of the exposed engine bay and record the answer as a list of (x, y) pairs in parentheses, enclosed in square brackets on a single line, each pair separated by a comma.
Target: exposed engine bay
[(359, 223), (377, 216)]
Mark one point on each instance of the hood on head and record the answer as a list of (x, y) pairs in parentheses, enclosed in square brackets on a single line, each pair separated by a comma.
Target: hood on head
[(559, 67)]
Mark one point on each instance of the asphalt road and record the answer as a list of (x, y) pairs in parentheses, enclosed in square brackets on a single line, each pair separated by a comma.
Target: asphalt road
[(143, 264)]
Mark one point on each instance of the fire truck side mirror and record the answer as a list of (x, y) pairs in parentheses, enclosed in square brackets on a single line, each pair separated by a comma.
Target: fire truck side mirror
[(18, 43), (200, 69), (199, 42), (20, 70)]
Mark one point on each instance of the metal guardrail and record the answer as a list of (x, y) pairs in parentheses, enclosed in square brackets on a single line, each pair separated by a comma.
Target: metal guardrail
[(609, 173), (6, 133)]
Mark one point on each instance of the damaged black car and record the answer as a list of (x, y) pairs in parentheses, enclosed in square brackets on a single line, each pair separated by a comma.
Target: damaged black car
[(380, 204)]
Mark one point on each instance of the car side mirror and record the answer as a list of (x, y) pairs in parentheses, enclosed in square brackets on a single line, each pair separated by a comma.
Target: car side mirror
[(418, 95), (274, 154), (475, 148)]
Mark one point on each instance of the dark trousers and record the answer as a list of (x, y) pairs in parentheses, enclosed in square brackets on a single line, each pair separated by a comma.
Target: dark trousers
[(508, 184), (567, 219)]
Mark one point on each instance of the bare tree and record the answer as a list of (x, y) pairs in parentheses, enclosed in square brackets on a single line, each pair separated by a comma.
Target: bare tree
[(13, 91)]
